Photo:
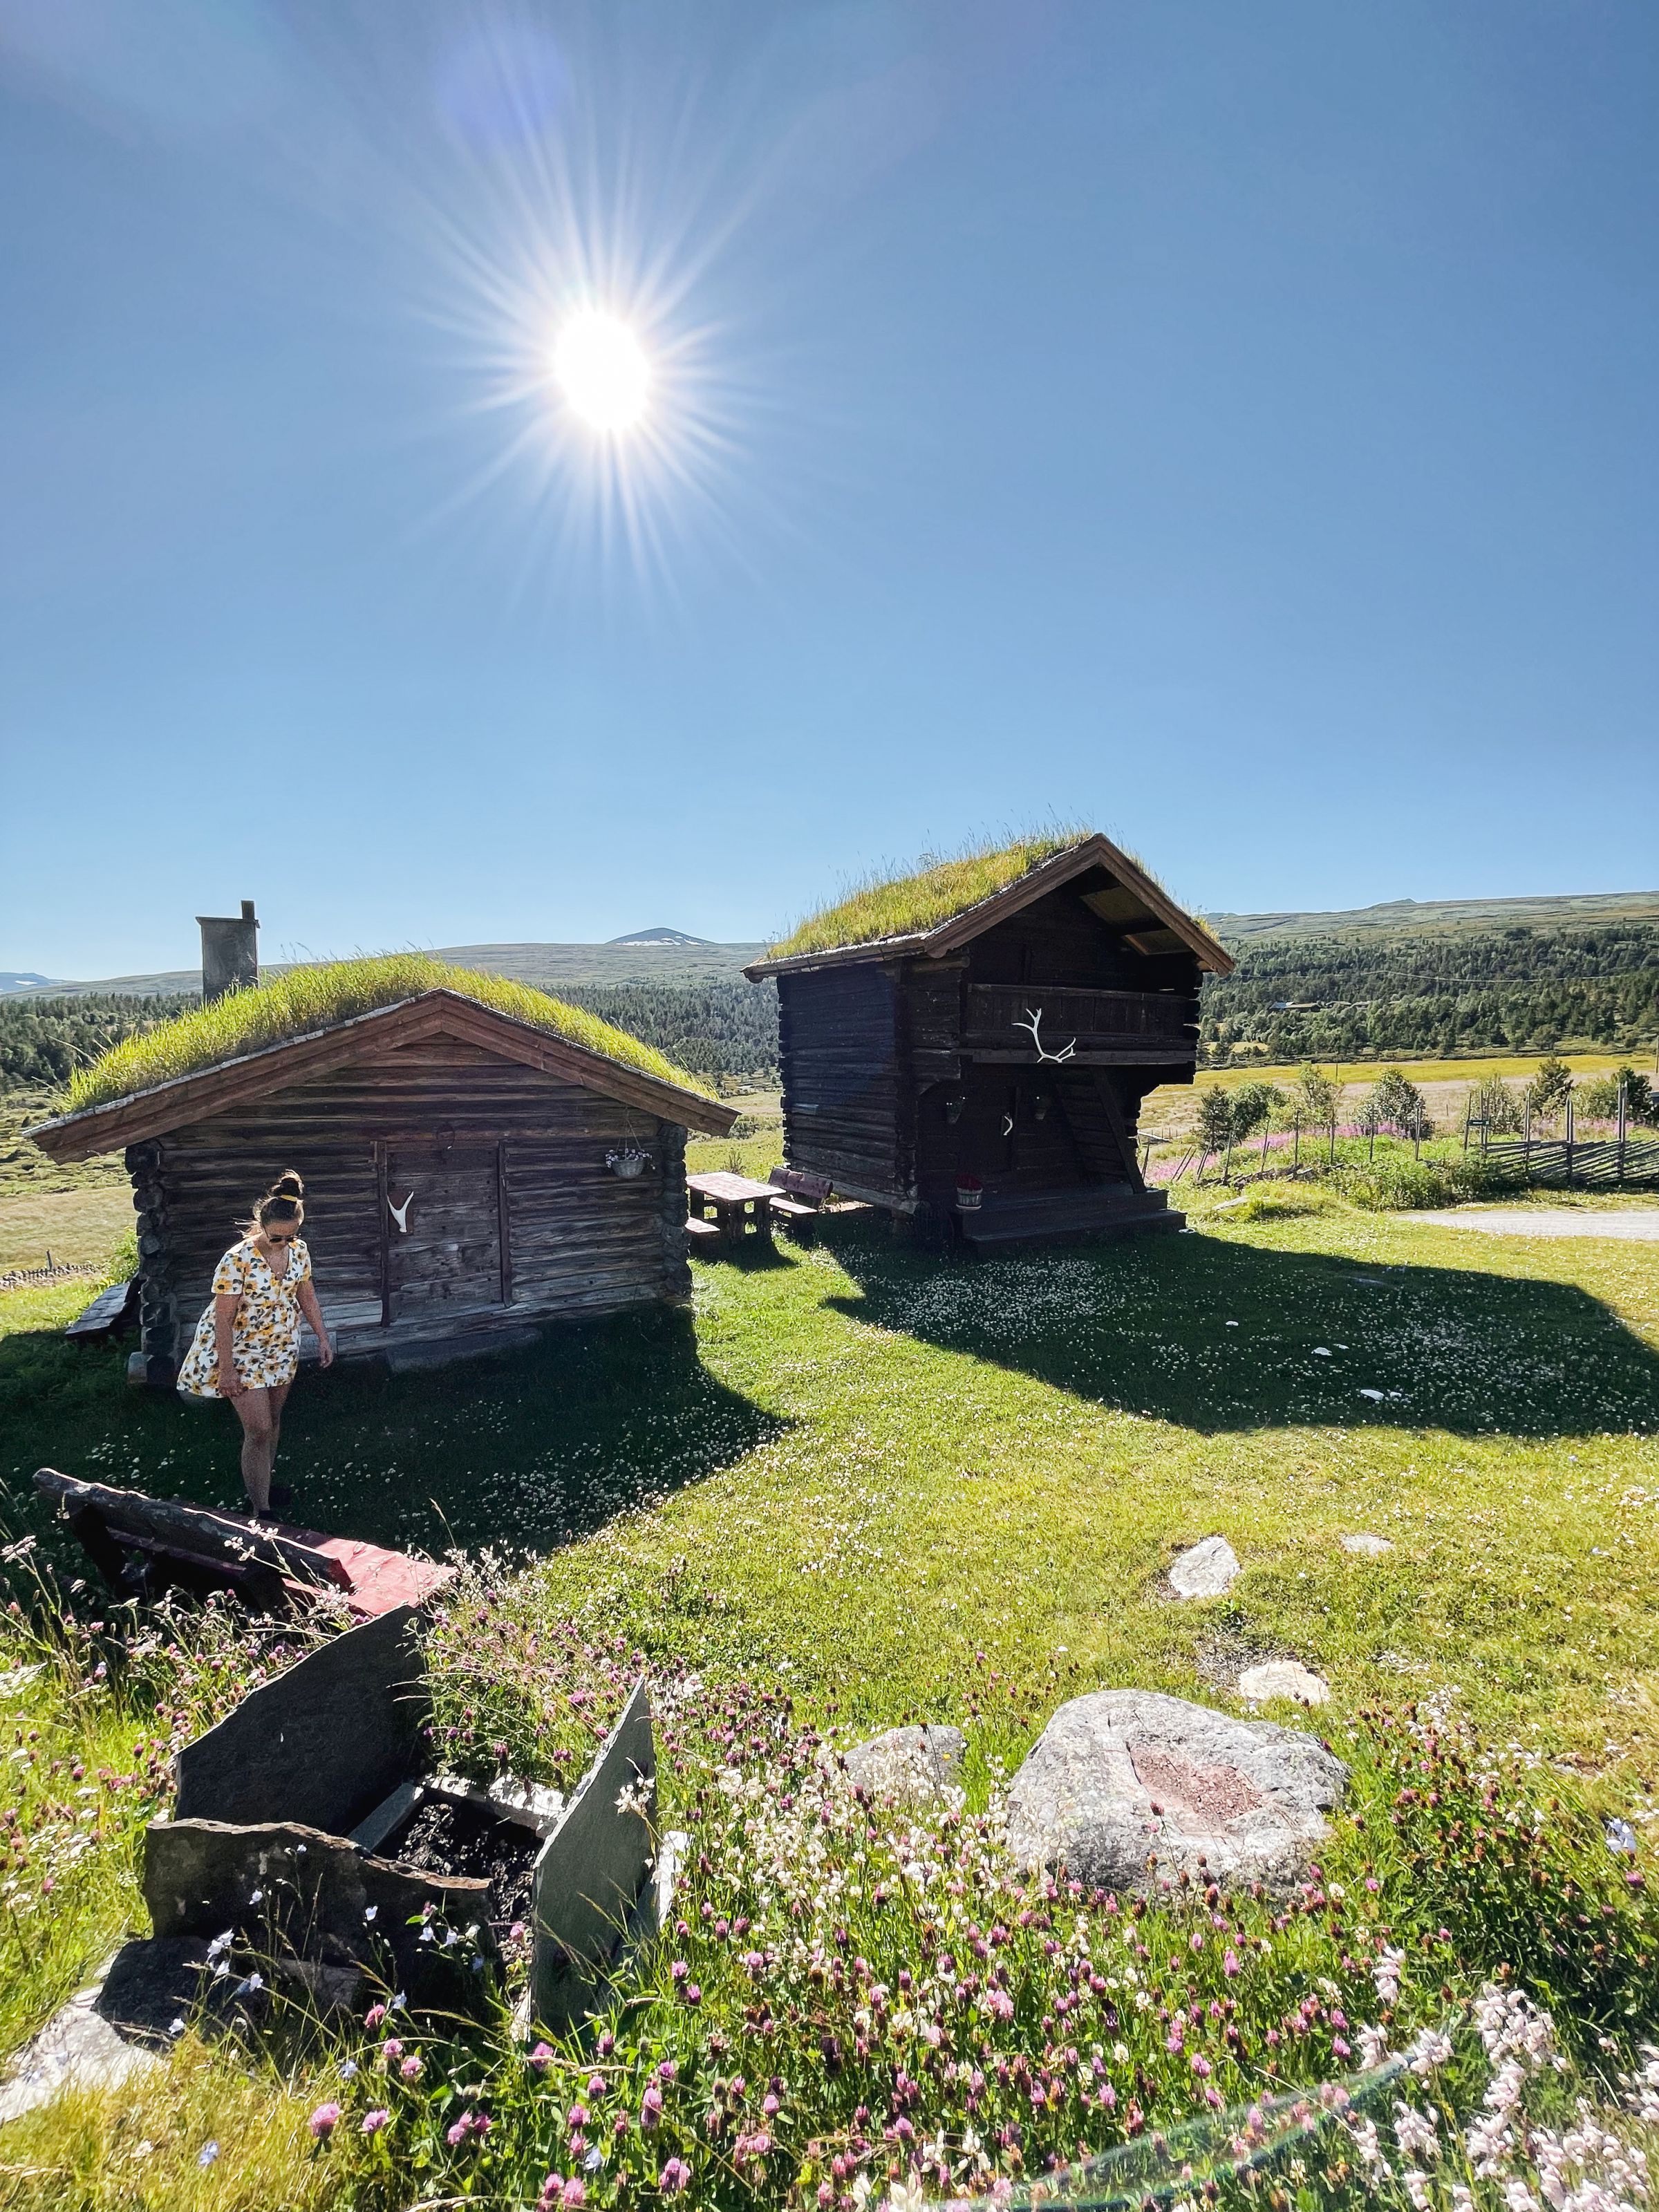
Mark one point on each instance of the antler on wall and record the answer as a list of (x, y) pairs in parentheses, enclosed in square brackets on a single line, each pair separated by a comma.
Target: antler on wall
[(1034, 1022)]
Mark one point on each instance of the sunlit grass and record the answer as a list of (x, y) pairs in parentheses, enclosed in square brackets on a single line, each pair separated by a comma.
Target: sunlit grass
[(899, 906), (310, 999)]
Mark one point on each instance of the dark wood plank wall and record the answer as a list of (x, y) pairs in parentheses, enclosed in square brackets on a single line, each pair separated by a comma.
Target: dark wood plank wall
[(1058, 940), (579, 1239), (840, 1079)]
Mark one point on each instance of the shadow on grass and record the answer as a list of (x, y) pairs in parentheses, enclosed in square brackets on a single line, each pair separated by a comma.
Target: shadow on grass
[(1142, 1325), (526, 1449)]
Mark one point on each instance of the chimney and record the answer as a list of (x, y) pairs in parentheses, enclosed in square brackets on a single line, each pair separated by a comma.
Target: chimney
[(230, 953)]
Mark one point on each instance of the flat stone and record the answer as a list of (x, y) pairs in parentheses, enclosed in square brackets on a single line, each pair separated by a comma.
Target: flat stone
[(1206, 1569), (1283, 1678), (908, 1766), (1367, 1547), (1121, 1777), (593, 1870), (323, 1742), (78, 2048)]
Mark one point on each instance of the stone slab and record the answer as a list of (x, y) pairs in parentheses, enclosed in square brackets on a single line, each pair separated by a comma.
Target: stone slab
[(323, 1743), (1206, 1569), (1365, 1546), (115, 2029), (1122, 1777), (592, 1868), (297, 1893)]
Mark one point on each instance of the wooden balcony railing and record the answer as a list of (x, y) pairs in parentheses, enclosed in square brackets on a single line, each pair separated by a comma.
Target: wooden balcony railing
[(999, 1018)]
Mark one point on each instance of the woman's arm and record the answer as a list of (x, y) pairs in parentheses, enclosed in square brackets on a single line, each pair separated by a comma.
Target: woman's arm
[(307, 1295), (225, 1305)]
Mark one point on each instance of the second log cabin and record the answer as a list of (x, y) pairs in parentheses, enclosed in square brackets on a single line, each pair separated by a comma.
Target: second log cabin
[(971, 1044)]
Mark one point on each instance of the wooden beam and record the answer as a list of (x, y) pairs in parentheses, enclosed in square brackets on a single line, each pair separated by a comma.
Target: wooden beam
[(190, 1528), (382, 1151), (504, 1224)]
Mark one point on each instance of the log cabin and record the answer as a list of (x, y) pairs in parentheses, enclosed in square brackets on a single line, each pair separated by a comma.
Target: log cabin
[(478, 1157), (970, 1046)]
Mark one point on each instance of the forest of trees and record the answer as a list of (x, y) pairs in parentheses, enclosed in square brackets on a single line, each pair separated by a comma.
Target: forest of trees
[(1510, 990), (43, 1041), (712, 1028)]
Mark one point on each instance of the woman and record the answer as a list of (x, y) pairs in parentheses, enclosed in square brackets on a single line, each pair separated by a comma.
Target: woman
[(246, 1345)]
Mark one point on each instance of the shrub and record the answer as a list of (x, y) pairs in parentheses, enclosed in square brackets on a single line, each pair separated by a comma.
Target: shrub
[(1312, 1096), (1402, 1185), (1254, 1106), (1598, 1099), (1551, 1087), (1494, 1103), (1215, 1127), (1393, 1103)]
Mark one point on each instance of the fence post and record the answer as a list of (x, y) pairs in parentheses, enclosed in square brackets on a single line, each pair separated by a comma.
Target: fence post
[(1526, 1109), (1569, 1141), (1333, 1159), (1296, 1144), (1621, 1129), (1416, 1137)]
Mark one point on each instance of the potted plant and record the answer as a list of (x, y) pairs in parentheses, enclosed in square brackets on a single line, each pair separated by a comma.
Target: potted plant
[(969, 1191), (628, 1162)]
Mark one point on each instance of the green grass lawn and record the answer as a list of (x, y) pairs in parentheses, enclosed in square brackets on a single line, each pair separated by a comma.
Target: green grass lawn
[(883, 1480), (868, 1464)]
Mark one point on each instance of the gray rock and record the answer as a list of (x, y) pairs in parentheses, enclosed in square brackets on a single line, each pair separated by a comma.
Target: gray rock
[(908, 1766), (1206, 1569), (78, 2048), (1283, 1678), (1122, 1776), (1367, 1547)]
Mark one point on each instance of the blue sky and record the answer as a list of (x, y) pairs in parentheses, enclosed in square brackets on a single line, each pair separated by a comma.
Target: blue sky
[(1230, 426)]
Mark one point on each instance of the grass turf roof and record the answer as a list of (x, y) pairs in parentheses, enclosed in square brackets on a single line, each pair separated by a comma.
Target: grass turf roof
[(906, 905), (310, 998)]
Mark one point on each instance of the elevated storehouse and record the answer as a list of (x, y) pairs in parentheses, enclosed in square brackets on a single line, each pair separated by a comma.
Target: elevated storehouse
[(973, 1043), (475, 1155)]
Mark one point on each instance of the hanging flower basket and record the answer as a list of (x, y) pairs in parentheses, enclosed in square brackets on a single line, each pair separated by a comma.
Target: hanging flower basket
[(626, 1163), (969, 1191)]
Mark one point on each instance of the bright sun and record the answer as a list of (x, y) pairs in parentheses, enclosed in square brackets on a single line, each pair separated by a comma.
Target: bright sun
[(601, 368)]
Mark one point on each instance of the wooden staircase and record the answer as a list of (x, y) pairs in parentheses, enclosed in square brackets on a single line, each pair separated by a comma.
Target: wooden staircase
[(1065, 1216)]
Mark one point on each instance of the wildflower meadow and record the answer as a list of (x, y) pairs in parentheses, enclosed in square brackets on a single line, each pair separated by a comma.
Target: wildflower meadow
[(857, 1486)]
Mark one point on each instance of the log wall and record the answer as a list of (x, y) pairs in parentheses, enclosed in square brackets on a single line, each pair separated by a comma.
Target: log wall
[(839, 1048), (515, 1211)]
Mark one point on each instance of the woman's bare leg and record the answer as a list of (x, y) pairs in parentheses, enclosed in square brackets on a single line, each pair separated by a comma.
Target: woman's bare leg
[(259, 1444), (278, 1399)]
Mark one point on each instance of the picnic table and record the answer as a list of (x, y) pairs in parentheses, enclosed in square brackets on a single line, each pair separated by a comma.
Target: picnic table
[(738, 1203)]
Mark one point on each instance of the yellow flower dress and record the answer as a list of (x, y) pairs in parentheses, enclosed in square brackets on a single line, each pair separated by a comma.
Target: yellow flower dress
[(265, 1334)]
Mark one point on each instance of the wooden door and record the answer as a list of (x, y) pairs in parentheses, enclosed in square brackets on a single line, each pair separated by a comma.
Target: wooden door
[(443, 1246)]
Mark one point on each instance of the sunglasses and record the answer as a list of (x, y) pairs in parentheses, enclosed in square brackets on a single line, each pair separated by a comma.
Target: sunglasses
[(275, 1237)]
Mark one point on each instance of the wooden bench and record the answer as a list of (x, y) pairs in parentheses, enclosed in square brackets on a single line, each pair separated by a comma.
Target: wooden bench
[(699, 1232), (802, 1198)]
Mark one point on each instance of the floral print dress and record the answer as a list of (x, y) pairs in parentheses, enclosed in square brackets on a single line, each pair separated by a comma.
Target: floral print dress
[(265, 1334)]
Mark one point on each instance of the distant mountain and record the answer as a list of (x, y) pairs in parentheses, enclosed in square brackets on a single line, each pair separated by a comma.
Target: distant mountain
[(659, 937), (12, 980)]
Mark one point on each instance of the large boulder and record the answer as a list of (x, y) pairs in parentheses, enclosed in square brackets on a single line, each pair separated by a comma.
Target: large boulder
[(1122, 1777), (913, 1766)]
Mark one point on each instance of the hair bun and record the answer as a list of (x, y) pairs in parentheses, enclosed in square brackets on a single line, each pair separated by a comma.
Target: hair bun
[(287, 1186)]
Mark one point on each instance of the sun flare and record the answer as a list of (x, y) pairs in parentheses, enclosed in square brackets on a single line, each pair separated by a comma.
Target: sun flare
[(601, 368)]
